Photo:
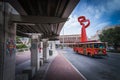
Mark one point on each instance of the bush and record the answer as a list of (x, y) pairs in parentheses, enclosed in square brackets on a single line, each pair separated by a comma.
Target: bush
[(20, 50), (20, 46)]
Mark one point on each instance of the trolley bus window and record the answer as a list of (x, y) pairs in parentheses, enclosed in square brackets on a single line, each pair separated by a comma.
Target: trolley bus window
[(80, 45), (84, 46), (96, 45), (91, 45), (101, 45), (87, 45)]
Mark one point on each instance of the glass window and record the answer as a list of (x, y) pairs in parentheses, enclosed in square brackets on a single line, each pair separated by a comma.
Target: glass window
[(91, 45), (80, 45), (84, 45), (87, 45), (101, 45), (96, 45)]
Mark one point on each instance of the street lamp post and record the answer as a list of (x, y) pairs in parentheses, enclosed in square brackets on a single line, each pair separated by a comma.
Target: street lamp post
[(63, 37)]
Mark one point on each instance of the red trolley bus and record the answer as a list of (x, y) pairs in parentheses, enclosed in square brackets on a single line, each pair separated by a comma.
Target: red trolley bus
[(90, 48)]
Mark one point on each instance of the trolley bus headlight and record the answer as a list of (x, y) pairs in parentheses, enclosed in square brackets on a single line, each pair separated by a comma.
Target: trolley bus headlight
[(95, 51), (104, 51)]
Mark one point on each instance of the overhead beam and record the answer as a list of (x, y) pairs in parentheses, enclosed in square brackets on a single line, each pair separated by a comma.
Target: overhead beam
[(53, 39), (50, 35), (37, 19), (19, 33)]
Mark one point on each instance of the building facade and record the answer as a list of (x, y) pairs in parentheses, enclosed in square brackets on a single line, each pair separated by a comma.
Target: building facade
[(69, 38)]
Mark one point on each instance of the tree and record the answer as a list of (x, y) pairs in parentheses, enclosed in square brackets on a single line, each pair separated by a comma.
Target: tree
[(112, 36), (20, 46), (18, 39)]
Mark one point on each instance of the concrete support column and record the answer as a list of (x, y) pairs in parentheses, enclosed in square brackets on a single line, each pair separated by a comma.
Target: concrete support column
[(41, 52), (53, 46), (41, 49), (7, 43), (1, 41), (45, 49), (35, 52)]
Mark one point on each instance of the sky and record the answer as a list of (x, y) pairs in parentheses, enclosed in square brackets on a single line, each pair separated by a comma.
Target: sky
[(101, 13)]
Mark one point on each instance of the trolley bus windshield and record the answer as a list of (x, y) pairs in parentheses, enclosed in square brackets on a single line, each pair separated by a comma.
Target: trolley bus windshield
[(100, 45)]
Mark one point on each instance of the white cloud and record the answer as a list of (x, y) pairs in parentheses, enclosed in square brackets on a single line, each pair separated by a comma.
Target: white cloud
[(119, 21), (92, 12), (71, 22), (72, 26), (99, 26), (113, 5)]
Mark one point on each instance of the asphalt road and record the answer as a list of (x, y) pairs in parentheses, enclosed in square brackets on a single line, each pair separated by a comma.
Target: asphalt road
[(22, 61), (98, 68), (21, 57)]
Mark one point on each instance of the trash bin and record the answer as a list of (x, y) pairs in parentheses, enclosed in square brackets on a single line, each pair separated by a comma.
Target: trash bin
[(50, 52)]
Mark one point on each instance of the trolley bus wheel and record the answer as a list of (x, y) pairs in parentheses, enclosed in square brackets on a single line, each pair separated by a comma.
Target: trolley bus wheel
[(92, 55), (76, 51), (88, 54)]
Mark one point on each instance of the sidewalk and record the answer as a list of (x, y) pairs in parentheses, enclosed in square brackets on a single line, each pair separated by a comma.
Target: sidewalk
[(40, 75), (59, 69)]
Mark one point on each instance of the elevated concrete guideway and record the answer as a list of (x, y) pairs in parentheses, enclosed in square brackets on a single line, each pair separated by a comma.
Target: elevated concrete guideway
[(49, 15), (40, 20), (36, 19)]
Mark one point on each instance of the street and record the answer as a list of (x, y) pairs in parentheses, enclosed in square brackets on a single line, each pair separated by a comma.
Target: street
[(98, 68), (22, 61), (22, 57)]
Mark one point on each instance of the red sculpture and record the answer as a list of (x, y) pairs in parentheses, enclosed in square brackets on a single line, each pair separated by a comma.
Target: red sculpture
[(85, 23)]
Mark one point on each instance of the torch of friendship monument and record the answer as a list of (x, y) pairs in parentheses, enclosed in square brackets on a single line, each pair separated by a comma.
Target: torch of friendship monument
[(84, 23)]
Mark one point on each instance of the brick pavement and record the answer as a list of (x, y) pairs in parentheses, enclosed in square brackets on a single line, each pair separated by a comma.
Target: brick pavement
[(61, 69)]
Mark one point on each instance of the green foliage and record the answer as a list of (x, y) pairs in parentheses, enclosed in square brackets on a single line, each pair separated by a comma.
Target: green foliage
[(112, 36), (20, 46), (18, 39)]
